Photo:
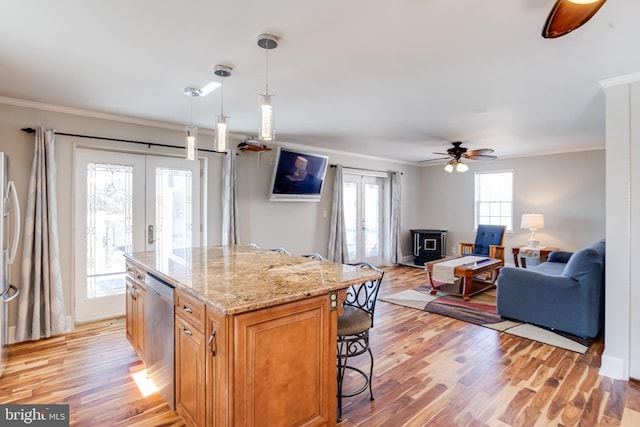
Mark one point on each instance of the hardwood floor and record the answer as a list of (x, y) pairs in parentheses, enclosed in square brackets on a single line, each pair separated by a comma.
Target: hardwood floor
[(429, 371)]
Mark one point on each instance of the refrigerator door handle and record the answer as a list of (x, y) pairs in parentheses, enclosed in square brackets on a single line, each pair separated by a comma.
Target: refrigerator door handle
[(16, 220), (8, 291)]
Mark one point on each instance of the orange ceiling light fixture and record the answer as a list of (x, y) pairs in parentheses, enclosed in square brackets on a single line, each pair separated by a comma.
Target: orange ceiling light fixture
[(567, 15)]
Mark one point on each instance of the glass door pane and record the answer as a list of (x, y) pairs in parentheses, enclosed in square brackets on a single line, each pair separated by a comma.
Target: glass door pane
[(372, 220), (109, 227), (363, 207), (109, 208), (350, 198), (173, 200)]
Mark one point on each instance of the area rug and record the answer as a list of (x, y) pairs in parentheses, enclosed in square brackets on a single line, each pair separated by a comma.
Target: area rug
[(481, 310)]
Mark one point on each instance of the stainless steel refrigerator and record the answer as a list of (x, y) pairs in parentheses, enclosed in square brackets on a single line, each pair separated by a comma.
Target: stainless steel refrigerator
[(9, 236)]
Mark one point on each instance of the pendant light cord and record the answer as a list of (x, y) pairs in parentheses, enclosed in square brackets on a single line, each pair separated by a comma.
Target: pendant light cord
[(222, 96), (266, 86)]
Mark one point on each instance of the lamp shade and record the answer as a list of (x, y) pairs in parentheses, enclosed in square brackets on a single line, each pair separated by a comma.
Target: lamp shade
[(532, 221)]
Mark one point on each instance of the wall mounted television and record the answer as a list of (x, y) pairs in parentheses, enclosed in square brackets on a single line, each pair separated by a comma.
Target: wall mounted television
[(298, 176)]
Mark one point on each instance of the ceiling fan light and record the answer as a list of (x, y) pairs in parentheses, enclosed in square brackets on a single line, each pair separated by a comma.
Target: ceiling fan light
[(449, 167), (461, 167)]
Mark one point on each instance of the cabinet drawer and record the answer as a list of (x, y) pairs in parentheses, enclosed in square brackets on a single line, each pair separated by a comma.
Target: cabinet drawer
[(191, 310), (136, 273)]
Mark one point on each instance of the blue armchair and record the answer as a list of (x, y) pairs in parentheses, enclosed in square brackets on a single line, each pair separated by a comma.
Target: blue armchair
[(489, 242), (565, 293)]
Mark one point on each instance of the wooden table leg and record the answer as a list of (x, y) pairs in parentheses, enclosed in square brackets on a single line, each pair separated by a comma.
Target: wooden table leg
[(467, 280), (433, 288)]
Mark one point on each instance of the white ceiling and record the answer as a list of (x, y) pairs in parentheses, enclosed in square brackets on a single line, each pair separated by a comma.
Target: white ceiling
[(396, 79)]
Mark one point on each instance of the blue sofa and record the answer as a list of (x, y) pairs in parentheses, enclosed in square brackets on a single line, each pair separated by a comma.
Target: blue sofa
[(565, 293)]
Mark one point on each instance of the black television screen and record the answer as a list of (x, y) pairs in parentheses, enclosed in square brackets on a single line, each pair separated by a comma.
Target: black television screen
[(297, 176)]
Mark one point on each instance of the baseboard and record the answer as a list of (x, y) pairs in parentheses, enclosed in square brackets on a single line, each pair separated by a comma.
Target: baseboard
[(614, 367), (69, 326)]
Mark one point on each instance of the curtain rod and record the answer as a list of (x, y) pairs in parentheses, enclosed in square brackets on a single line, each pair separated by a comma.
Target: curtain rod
[(149, 144), (365, 169)]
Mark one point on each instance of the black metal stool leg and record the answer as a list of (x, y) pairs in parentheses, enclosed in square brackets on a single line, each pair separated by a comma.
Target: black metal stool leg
[(370, 374)]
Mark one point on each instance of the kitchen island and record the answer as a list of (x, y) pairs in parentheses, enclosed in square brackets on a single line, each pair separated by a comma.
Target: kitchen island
[(255, 333)]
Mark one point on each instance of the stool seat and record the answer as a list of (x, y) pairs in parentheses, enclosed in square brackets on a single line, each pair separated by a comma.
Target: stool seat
[(354, 321)]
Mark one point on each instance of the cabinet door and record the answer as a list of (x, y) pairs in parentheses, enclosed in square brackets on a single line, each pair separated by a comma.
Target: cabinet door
[(140, 322), (190, 374), (130, 319), (285, 365), (217, 356)]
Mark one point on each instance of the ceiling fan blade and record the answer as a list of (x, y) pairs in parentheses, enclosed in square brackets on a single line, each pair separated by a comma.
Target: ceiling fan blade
[(443, 154), (479, 157), (566, 16), (435, 160), (479, 151)]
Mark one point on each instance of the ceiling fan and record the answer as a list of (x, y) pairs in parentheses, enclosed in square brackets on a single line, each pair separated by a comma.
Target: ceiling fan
[(457, 153), (567, 15)]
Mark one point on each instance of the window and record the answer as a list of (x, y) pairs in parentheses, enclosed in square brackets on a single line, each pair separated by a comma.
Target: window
[(494, 199)]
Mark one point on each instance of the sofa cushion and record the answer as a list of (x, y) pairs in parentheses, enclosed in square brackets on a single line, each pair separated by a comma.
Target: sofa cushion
[(586, 262), (550, 268)]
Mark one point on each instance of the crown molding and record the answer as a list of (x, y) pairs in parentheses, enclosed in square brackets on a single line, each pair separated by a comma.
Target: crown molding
[(620, 80), (91, 114)]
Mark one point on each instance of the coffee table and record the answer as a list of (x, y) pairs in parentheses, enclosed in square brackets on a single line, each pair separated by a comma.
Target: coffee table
[(469, 283)]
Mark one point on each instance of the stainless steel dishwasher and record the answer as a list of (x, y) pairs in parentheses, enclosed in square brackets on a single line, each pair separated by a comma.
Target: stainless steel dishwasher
[(159, 335)]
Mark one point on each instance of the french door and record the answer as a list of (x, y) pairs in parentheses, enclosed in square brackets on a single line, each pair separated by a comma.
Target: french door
[(128, 203), (363, 213)]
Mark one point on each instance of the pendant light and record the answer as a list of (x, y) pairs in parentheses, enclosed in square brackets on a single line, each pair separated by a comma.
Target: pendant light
[(266, 131), (191, 142), (220, 143)]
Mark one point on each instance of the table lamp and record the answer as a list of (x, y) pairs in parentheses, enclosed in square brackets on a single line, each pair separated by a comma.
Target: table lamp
[(532, 222)]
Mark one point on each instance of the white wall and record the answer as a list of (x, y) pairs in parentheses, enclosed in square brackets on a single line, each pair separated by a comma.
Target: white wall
[(621, 357), (569, 189), (303, 227)]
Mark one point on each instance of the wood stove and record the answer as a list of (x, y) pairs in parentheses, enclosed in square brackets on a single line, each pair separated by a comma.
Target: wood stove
[(428, 245)]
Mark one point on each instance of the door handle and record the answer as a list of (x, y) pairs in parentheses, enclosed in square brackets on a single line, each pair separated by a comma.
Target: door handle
[(15, 203), (15, 294), (150, 235)]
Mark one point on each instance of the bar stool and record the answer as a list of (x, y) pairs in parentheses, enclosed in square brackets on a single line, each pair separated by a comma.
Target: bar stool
[(353, 331)]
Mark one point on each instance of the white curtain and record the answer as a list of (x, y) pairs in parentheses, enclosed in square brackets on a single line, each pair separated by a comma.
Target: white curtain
[(230, 230), (337, 233), (41, 310), (396, 225)]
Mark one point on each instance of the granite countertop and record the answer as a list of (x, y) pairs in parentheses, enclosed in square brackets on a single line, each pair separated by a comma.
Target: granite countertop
[(236, 279)]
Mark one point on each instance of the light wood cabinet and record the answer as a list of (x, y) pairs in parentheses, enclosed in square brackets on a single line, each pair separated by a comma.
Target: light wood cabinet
[(216, 369), (190, 372), (273, 366), (135, 309), (257, 365), (284, 365), (190, 359)]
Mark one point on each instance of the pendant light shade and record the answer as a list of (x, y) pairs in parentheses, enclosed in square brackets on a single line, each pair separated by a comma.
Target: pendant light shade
[(221, 135), (221, 138), (191, 143), (191, 140), (266, 131)]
